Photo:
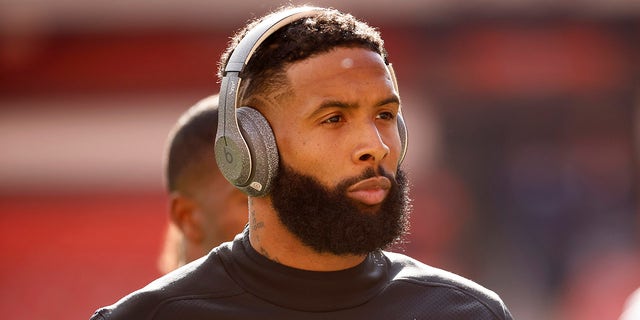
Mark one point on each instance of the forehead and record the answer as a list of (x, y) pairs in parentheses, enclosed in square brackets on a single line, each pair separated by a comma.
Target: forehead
[(339, 61), (349, 74)]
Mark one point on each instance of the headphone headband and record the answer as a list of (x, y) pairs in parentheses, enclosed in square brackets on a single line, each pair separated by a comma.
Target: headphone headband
[(254, 37)]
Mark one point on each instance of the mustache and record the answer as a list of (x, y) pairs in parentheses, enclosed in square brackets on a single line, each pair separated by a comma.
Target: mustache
[(366, 174)]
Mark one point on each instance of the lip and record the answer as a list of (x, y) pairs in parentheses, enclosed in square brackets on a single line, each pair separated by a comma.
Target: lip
[(371, 191)]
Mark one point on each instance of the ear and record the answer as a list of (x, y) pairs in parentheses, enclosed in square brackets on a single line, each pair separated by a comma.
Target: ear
[(183, 213)]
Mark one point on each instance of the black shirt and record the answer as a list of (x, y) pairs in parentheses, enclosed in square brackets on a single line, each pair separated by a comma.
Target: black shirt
[(235, 282)]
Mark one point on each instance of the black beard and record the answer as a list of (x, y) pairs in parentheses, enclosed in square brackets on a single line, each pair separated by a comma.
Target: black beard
[(329, 221)]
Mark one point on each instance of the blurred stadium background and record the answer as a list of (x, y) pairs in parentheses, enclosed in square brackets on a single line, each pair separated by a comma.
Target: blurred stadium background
[(523, 119)]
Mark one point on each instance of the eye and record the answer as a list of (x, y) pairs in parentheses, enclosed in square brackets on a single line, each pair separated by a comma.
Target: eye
[(333, 119), (386, 115)]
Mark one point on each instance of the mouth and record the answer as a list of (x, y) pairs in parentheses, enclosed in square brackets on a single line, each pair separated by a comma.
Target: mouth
[(371, 191)]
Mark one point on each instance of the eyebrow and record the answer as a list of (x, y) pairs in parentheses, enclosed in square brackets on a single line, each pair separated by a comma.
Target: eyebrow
[(345, 105)]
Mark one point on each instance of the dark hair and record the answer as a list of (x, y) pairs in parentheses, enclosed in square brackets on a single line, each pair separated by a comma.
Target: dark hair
[(297, 41), (189, 149)]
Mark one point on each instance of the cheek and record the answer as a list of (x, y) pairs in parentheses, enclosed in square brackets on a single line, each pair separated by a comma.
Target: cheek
[(394, 142), (308, 153), (324, 162), (312, 153)]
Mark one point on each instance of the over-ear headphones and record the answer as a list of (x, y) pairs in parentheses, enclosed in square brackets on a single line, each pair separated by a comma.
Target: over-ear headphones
[(245, 147)]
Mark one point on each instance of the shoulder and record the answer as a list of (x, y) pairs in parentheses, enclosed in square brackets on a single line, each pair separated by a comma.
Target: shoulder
[(447, 285), (186, 283), (407, 268)]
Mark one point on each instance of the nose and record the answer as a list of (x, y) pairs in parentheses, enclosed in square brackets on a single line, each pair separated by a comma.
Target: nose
[(370, 145)]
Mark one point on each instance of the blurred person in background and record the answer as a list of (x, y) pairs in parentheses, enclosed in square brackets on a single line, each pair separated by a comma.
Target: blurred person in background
[(205, 209)]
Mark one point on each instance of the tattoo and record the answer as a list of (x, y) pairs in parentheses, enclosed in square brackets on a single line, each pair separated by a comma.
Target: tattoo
[(255, 225), (267, 255)]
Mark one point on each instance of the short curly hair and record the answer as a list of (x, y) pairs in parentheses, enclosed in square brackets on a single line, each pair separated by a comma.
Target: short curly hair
[(298, 41)]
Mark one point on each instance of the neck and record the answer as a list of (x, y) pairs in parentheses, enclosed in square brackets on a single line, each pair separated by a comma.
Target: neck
[(272, 239)]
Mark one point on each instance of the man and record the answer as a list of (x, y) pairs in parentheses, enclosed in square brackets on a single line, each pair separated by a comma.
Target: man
[(326, 191), (205, 210)]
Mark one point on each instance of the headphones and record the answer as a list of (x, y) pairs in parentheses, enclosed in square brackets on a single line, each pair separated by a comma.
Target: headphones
[(245, 147)]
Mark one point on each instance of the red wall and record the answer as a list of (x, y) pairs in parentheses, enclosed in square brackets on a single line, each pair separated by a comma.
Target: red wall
[(64, 256)]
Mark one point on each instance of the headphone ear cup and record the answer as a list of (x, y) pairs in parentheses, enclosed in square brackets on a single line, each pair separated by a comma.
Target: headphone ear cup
[(259, 137), (402, 129)]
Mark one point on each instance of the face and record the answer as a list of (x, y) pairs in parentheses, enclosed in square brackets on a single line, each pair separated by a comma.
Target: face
[(339, 147), (339, 120)]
